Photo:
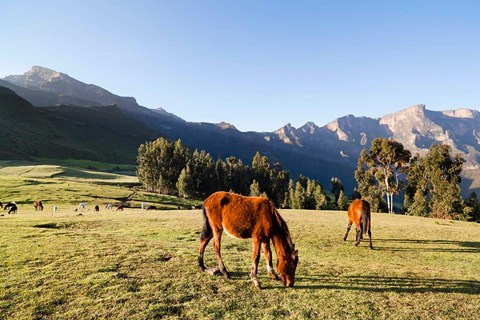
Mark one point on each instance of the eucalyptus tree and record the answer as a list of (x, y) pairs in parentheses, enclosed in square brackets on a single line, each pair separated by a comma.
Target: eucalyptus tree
[(387, 163)]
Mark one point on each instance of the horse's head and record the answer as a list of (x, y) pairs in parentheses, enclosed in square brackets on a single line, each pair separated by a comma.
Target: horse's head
[(287, 267)]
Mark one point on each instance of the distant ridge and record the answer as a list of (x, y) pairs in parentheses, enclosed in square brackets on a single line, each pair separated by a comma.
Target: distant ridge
[(318, 152), (95, 133)]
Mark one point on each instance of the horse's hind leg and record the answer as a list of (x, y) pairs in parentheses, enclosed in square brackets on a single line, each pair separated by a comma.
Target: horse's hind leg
[(205, 237), (255, 258), (359, 235), (216, 247), (268, 256), (348, 229), (204, 240)]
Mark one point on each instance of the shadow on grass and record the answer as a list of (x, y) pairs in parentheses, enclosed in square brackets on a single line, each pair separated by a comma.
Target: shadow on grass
[(429, 245), (368, 284), (390, 284)]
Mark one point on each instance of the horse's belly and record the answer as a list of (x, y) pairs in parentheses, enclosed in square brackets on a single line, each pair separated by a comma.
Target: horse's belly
[(239, 233)]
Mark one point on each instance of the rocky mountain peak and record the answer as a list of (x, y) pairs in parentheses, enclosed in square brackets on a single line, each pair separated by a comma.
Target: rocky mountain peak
[(287, 134), (462, 113), (336, 128), (43, 73), (225, 125), (35, 78), (309, 128)]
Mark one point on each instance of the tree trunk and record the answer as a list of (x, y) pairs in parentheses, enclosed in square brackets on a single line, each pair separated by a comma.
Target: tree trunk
[(391, 203)]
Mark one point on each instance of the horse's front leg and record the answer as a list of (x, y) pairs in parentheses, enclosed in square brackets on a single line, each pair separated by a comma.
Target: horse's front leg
[(370, 238), (268, 256), (217, 237), (255, 258)]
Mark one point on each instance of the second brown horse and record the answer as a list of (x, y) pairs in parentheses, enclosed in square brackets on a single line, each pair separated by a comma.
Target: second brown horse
[(249, 217), (359, 212)]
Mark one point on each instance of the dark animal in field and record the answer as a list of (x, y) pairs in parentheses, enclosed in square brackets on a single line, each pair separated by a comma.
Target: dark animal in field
[(151, 207), (249, 217), (9, 205), (13, 209), (97, 209), (359, 212), (120, 208), (38, 205), (1, 205)]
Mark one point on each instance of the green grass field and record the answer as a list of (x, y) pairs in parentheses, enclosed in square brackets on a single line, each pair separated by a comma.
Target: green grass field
[(142, 264), (67, 183), (64, 267)]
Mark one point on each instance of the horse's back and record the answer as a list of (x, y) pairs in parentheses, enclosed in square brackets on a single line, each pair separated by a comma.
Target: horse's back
[(238, 215)]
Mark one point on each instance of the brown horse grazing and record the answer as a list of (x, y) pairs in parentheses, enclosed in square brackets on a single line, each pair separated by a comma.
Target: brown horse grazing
[(249, 217), (38, 205), (359, 212)]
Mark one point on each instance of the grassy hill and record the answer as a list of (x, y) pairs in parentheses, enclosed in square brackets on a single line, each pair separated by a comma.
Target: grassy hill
[(95, 133), (67, 183)]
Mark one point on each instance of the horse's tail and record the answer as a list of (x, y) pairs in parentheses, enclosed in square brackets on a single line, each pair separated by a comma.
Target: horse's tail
[(206, 229), (365, 225)]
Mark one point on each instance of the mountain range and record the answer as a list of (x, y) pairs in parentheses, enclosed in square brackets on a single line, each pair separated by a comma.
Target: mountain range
[(80, 120)]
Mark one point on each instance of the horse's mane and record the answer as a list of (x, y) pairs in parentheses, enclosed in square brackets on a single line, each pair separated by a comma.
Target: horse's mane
[(282, 226)]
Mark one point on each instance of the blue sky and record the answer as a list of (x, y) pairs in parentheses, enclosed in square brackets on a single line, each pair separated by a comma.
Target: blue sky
[(256, 64)]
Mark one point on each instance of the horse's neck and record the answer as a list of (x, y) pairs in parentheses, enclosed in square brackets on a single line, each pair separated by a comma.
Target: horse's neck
[(282, 245)]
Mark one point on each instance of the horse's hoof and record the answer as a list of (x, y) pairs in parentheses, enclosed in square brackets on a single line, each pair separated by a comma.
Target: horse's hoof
[(356, 244), (212, 271), (275, 277), (344, 239)]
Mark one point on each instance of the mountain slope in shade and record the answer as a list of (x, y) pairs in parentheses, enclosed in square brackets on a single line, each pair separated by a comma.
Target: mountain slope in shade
[(318, 152), (96, 133)]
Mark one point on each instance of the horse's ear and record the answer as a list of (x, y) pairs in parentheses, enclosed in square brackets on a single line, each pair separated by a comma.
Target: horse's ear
[(295, 254)]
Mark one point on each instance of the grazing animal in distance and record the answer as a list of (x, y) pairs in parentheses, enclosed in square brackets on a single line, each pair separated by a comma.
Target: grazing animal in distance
[(97, 209), (38, 205), (359, 212), (109, 206), (13, 209), (120, 208), (144, 206), (249, 217), (151, 207), (83, 206), (9, 205), (1, 205)]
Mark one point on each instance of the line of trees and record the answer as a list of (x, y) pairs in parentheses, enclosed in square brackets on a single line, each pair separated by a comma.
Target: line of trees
[(431, 183), (170, 168)]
